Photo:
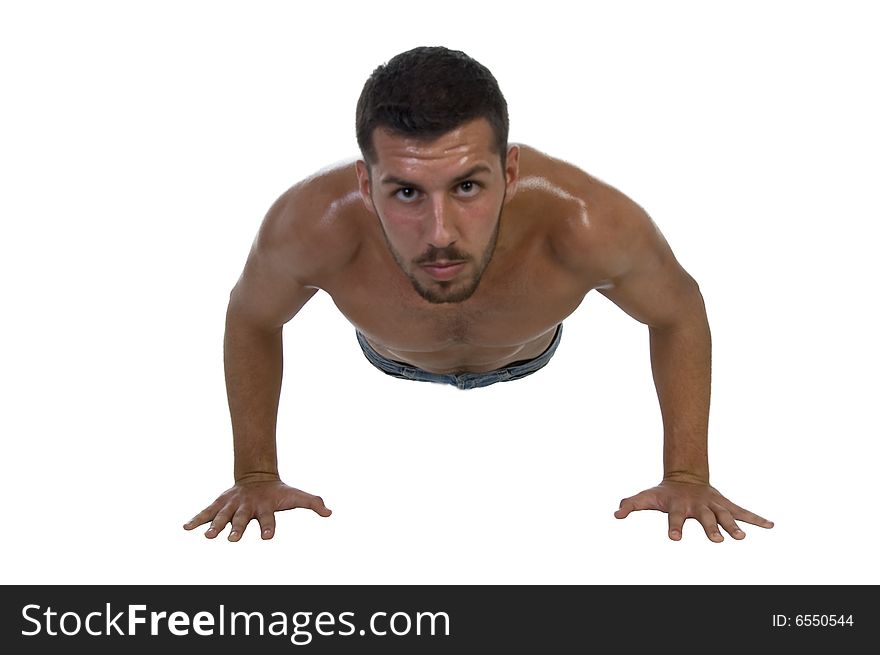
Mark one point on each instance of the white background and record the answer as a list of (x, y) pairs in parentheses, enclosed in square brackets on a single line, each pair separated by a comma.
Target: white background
[(140, 147)]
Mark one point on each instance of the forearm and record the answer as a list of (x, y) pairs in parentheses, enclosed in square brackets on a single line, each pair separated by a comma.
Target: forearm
[(681, 362), (253, 363)]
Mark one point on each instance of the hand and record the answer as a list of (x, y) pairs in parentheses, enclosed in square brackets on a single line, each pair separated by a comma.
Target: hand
[(684, 500), (248, 500)]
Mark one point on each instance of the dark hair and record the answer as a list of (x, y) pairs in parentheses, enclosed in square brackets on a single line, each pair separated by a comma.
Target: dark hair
[(426, 92)]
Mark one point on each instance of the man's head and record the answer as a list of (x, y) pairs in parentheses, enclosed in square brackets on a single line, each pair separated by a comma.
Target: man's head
[(432, 127), (426, 92)]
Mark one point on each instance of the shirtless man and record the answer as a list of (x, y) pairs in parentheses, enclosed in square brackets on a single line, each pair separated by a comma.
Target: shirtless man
[(457, 256)]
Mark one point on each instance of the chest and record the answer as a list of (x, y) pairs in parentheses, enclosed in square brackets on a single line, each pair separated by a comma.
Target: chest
[(518, 299)]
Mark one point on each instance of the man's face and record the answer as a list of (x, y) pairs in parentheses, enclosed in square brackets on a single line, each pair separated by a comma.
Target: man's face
[(439, 205)]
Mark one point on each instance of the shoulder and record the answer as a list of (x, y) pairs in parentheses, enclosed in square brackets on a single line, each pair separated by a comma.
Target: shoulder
[(304, 238), (594, 227), (309, 227)]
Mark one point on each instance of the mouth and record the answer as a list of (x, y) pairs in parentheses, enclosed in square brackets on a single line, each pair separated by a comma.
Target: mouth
[(443, 271)]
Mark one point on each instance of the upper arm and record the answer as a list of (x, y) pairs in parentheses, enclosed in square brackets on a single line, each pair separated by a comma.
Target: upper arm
[(295, 245), (268, 292), (646, 279), (609, 243)]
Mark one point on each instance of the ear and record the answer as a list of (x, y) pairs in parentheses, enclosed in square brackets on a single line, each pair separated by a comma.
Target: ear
[(511, 172), (363, 175)]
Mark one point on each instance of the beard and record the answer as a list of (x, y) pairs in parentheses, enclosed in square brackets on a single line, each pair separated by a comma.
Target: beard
[(453, 291)]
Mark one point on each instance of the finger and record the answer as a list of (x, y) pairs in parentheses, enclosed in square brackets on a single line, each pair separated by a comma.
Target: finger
[(240, 520), (676, 524), (741, 514), (219, 523), (725, 519), (707, 519), (267, 525)]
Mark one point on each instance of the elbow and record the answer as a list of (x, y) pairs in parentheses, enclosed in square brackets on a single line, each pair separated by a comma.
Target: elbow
[(691, 293), (686, 310)]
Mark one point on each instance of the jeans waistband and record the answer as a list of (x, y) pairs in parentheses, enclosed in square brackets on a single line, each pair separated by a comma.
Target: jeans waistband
[(514, 371)]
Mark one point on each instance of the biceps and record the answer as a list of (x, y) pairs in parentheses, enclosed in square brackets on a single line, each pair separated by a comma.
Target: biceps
[(657, 291), (266, 294)]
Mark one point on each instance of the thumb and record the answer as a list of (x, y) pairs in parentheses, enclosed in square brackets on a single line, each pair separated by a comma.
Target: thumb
[(294, 498), (317, 505), (626, 506), (632, 504)]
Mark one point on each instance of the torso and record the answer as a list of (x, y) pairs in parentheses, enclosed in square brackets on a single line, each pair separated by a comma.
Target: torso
[(526, 290)]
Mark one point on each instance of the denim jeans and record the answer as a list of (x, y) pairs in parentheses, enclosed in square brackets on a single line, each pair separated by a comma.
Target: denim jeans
[(515, 371)]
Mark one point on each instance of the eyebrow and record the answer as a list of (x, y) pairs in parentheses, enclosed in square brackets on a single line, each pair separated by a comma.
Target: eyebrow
[(479, 168)]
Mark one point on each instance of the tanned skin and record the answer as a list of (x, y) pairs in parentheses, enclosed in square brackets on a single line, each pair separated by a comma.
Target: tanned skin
[(449, 261)]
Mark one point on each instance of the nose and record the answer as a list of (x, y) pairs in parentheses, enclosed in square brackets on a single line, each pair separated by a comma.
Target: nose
[(442, 231)]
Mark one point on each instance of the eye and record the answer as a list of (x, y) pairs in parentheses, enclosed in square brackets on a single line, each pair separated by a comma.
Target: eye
[(406, 194), (469, 188)]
